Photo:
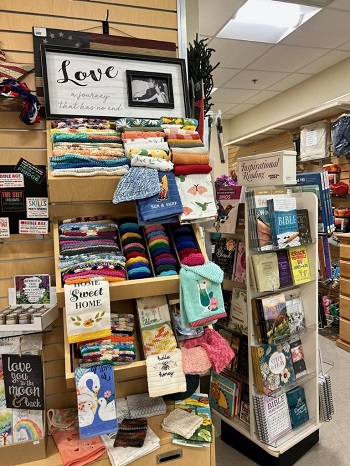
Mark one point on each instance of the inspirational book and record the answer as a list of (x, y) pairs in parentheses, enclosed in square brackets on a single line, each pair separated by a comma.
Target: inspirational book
[(265, 271), (283, 222), (295, 311), (274, 317), (272, 367), (298, 359), (272, 417), (298, 411), (299, 264)]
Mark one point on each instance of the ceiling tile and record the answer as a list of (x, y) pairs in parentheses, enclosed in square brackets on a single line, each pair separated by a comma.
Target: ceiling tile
[(234, 96), (222, 75), (328, 29), (227, 116), (290, 81), (287, 58), (236, 53), (264, 79), (212, 19), (221, 106), (327, 60), (261, 97), (341, 4)]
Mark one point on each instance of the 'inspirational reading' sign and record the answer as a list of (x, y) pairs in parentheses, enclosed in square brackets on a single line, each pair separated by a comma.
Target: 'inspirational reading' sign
[(23, 380)]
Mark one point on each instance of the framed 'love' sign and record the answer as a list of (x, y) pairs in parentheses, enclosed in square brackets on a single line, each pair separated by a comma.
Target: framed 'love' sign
[(102, 84)]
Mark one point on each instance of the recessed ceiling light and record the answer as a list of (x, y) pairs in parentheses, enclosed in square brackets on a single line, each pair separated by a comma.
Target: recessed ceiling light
[(266, 21), (319, 3)]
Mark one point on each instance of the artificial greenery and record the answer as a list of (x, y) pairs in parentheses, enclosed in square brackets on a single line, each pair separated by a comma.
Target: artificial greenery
[(200, 68)]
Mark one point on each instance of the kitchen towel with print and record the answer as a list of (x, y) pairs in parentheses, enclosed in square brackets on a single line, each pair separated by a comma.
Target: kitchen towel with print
[(163, 207), (88, 311), (201, 299), (165, 374), (155, 323), (197, 197), (96, 400), (75, 451)]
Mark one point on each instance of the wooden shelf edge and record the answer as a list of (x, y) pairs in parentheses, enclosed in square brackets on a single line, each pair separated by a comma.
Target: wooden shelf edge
[(343, 345)]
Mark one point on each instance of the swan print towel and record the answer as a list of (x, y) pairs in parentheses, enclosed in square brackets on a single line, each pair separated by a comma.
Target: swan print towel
[(96, 401)]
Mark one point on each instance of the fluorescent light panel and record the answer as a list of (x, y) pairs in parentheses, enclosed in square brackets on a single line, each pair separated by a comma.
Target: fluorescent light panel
[(266, 21)]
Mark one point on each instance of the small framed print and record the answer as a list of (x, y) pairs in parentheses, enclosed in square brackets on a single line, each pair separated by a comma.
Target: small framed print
[(150, 89)]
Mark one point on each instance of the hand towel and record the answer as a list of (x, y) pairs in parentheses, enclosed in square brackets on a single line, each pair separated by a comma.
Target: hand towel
[(122, 409), (191, 169), (138, 124), (87, 318), (144, 139), (96, 400), (165, 374), (137, 183), (197, 197), (75, 451), (190, 159), (201, 300), (146, 145), (159, 207), (190, 150), (195, 360), (183, 122), (121, 456), (142, 405)]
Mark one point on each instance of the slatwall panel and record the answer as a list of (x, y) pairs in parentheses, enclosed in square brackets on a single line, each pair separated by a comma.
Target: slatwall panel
[(28, 254)]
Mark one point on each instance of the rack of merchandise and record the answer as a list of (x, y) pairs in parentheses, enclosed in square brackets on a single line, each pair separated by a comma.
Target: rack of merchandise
[(295, 443)]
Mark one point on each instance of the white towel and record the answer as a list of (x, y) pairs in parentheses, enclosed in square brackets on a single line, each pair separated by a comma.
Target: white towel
[(145, 145), (165, 374), (120, 456)]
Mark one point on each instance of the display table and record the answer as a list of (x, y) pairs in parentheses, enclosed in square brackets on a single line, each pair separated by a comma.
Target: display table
[(168, 451)]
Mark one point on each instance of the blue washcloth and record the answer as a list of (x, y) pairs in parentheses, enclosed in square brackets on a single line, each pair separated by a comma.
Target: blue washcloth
[(137, 183), (201, 300)]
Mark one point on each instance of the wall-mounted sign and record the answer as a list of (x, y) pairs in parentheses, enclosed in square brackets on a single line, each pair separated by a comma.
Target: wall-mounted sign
[(91, 83)]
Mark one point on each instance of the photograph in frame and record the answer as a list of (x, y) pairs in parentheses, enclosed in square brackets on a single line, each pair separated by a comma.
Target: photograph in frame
[(150, 89), (94, 84)]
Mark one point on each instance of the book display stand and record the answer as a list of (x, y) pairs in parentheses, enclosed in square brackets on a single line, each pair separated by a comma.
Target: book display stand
[(287, 448)]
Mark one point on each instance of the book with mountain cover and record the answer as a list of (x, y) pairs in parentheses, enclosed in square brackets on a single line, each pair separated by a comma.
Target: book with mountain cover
[(275, 317), (272, 367), (283, 222)]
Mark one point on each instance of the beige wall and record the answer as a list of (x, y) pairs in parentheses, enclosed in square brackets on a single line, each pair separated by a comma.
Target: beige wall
[(313, 92)]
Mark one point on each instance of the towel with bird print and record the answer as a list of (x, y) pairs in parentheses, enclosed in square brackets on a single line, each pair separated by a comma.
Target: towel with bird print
[(197, 197), (163, 207), (201, 299), (96, 400)]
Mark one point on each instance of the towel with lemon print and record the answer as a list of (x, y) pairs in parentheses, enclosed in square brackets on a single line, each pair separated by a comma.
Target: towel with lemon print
[(154, 316), (88, 311)]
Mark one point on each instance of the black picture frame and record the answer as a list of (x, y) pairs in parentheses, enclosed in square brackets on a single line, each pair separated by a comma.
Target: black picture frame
[(94, 84), (147, 89)]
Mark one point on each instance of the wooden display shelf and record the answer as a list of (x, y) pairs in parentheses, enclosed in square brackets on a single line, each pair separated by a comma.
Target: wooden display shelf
[(128, 289), (168, 451), (75, 188)]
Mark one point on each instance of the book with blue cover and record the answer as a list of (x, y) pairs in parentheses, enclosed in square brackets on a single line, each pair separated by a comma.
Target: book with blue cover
[(284, 222), (298, 410), (272, 367)]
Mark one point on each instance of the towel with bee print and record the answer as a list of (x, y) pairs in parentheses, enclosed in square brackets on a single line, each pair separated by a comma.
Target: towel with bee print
[(165, 374)]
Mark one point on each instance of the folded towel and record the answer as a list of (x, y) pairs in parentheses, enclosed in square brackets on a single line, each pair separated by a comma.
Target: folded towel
[(182, 423), (191, 169), (190, 159), (195, 360), (190, 150), (151, 162), (121, 456), (131, 433), (158, 153), (75, 451), (146, 145), (142, 405)]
